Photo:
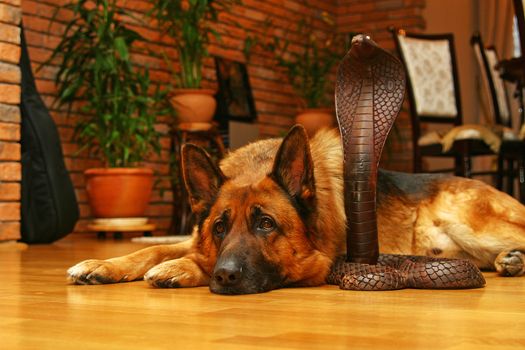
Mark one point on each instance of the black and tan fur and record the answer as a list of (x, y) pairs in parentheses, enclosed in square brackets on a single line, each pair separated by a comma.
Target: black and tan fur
[(272, 216)]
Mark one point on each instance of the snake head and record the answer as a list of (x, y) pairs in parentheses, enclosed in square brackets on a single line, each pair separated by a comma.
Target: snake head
[(363, 47)]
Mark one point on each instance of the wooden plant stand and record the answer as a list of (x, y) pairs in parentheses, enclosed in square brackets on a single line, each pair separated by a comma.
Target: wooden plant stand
[(117, 230)]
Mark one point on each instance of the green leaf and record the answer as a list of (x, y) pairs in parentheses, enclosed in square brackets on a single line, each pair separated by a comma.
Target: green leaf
[(122, 48)]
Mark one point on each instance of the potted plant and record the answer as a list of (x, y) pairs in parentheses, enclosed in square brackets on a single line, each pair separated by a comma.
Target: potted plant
[(116, 116), (190, 23), (308, 66)]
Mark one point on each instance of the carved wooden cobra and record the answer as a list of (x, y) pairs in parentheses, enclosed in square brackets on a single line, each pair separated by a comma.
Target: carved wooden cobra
[(369, 94)]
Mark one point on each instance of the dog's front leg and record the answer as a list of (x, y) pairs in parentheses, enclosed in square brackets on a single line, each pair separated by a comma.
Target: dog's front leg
[(182, 272), (126, 268)]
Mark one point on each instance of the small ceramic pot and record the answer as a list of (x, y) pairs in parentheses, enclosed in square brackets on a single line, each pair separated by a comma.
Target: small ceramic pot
[(118, 192), (314, 119), (194, 105)]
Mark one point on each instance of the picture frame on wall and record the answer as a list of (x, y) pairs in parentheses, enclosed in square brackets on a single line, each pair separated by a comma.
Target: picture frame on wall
[(234, 96)]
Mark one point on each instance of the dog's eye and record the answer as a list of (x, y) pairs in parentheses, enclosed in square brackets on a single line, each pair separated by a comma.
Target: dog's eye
[(266, 224), (219, 228)]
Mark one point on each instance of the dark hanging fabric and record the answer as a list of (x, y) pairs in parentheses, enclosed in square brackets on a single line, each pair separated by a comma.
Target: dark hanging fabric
[(49, 209)]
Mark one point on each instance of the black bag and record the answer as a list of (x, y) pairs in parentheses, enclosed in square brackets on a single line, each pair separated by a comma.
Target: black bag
[(49, 206)]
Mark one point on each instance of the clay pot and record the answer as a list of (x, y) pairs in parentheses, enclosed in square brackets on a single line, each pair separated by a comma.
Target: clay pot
[(118, 192), (194, 105), (314, 119)]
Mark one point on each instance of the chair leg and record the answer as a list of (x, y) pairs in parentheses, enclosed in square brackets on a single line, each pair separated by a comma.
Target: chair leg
[(220, 145), (463, 166), (521, 179), (467, 161), (500, 173), (510, 177), (418, 164), (185, 210), (175, 147), (458, 166)]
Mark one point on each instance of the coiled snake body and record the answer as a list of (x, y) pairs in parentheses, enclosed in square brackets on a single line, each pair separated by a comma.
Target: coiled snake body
[(369, 93), (405, 271)]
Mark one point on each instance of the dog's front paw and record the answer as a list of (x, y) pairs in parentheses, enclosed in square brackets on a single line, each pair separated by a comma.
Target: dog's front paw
[(510, 263), (176, 273), (95, 272)]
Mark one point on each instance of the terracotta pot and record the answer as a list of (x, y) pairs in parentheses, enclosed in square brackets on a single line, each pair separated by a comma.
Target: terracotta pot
[(194, 105), (314, 119), (118, 192)]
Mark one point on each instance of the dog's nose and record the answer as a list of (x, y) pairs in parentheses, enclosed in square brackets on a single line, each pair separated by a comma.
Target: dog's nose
[(227, 274)]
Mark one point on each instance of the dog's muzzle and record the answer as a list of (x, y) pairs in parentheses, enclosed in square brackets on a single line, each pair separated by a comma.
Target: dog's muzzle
[(229, 277), (227, 274), (237, 275)]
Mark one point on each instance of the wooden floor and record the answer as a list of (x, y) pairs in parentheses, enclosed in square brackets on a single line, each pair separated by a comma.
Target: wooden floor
[(38, 310)]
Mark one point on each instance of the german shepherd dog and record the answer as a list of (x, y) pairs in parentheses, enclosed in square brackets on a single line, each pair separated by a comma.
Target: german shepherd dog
[(272, 216)]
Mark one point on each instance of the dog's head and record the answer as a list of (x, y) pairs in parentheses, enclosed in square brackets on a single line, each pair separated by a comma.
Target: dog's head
[(257, 233)]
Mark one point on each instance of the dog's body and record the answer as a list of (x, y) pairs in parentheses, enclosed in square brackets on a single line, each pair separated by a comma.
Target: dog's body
[(273, 216)]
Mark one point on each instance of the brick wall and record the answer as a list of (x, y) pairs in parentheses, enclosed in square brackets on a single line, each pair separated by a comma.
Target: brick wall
[(275, 101), (10, 169)]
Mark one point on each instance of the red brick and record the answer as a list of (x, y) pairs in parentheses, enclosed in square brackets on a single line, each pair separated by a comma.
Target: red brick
[(9, 230), (9, 211), (10, 191), (84, 210), (9, 151), (45, 72), (9, 53), (157, 210), (10, 14), (9, 73), (76, 164), (10, 171), (46, 11), (389, 4), (47, 87), (39, 40), (43, 25), (277, 120), (12, 2), (267, 130), (162, 196), (40, 55), (9, 132), (77, 179), (10, 33), (9, 113), (66, 134)]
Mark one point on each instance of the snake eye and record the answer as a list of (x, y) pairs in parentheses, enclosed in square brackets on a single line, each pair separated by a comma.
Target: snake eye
[(219, 228), (266, 224)]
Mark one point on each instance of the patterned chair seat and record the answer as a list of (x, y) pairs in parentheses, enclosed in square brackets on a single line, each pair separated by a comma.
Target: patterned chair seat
[(492, 136)]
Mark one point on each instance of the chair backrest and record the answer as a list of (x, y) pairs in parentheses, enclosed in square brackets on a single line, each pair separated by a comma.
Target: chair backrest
[(520, 19), (487, 59), (433, 84)]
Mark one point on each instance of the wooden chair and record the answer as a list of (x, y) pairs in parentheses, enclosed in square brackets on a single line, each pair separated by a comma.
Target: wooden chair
[(512, 150), (434, 97)]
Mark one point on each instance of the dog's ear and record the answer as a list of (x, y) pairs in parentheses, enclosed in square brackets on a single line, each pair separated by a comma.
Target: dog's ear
[(202, 177), (293, 166)]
